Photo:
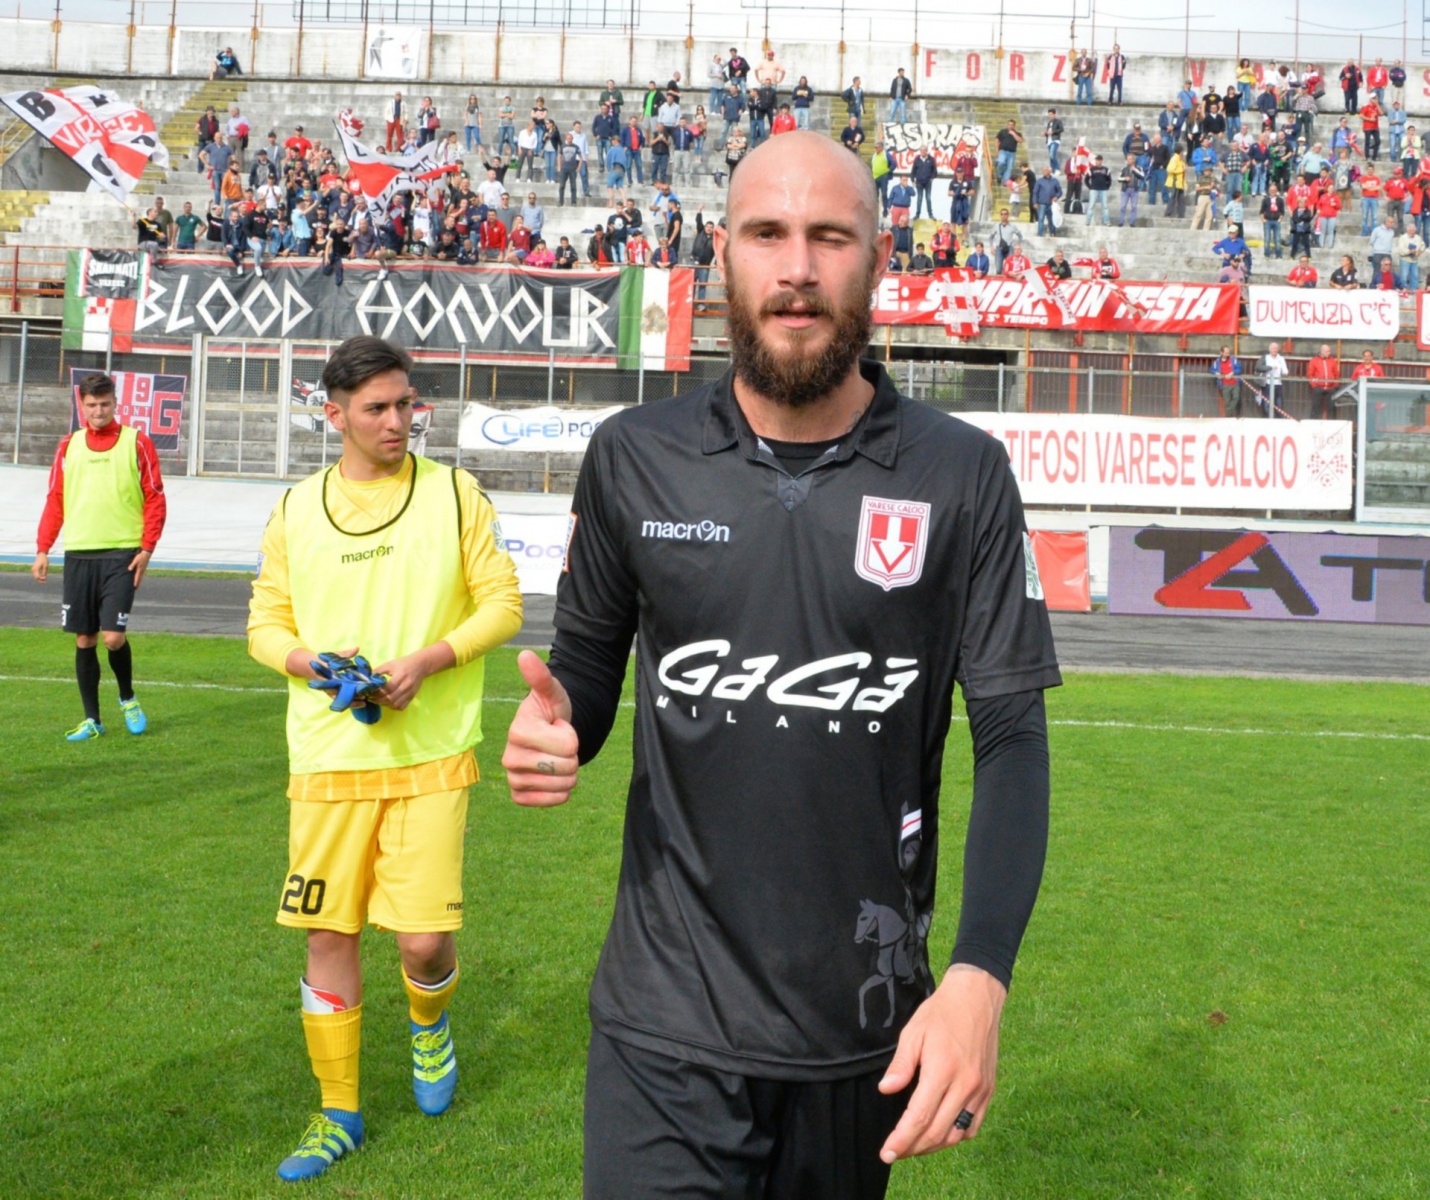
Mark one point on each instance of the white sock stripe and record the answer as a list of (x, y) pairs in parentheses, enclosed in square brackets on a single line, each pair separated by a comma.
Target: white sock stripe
[(431, 987), (1148, 727)]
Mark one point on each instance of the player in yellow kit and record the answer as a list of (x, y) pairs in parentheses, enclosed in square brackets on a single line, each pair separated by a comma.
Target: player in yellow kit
[(396, 558)]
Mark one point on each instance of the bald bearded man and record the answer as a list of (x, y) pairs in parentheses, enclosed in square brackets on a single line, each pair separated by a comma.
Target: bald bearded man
[(809, 562)]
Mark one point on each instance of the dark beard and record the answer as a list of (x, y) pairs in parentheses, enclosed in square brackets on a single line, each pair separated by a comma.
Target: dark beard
[(797, 380)]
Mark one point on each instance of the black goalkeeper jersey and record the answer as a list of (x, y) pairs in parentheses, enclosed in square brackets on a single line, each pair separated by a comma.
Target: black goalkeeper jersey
[(798, 641)]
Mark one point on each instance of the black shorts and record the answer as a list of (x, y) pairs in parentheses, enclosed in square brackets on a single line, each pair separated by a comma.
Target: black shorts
[(662, 1127), (99, 592)]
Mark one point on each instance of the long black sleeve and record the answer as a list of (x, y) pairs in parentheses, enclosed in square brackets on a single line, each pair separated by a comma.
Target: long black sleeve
[(592, 673), (1007, 829)]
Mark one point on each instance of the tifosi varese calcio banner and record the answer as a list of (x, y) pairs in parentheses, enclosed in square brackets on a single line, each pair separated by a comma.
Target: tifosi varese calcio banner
[(1250, 574), (428, 307), (1085, 458), (948, 297)]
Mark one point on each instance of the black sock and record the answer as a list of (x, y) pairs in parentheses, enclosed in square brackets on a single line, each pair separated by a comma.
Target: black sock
[(86, 670), (121, 662)]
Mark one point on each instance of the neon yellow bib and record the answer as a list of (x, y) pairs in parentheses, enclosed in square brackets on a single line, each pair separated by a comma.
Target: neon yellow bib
[(389, 591), (104, 504)]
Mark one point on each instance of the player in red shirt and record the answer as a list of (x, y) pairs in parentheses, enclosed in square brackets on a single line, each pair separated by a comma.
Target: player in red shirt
[(106, 493), (1328, 208), (1370, 114), (492, 236), (298, 146), (1370, 190), (783, 122), (1323, 373), (1368, 368), (1396, 189), (1377, 79), (1303, 274)]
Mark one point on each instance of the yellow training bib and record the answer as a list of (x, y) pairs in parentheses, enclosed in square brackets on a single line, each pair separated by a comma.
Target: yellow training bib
[(104, 504), (388, 590)]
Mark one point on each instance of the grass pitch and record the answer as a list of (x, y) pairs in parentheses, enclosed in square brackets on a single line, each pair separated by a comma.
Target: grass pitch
[(1222, 993)]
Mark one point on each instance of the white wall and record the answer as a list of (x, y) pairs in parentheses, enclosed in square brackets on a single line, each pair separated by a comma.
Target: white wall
[(526, 57)]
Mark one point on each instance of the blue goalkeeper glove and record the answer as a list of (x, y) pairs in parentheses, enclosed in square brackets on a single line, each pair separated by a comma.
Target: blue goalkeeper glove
[(349, 679)]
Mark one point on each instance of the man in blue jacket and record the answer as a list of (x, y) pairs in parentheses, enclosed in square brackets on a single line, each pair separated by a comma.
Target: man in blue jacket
[(901, 199), (1226, 372), (607, 129), (1235, 256), (1046, 190)]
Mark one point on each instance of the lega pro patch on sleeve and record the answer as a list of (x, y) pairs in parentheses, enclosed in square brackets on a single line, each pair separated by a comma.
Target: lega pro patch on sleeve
[(1033, 584)]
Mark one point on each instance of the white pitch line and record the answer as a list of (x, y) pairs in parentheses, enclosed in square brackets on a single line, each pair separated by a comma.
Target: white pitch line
[(1306, 733), (1354, 735)]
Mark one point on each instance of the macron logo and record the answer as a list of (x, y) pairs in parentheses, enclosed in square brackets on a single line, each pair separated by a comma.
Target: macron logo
[(686, 531), (358, 556)]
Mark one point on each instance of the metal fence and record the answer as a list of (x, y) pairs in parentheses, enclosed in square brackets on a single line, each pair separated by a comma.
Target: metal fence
[(246, 410)]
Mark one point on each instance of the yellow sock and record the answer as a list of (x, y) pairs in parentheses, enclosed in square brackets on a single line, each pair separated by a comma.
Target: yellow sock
[(335, 1045), (426, 1005)]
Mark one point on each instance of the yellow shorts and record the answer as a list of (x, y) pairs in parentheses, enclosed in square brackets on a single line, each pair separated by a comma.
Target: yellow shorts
[(395, 863)]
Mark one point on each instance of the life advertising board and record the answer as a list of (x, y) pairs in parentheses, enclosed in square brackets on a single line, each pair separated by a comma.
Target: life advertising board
[(537, 545), (1149, 462), (590, 317), (947, 142), (547, 429), (1269, 576), (1366, 315), (961, 302), (152, 404)]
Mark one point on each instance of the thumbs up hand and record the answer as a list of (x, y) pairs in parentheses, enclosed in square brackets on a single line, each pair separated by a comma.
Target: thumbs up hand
[(540, 756)]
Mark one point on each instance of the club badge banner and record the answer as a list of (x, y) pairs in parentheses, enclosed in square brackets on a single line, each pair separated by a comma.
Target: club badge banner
[(1254, 575), (946, 142), (961, 302), (432, 308), (1364, 315), (1087, 458), (152, 404)]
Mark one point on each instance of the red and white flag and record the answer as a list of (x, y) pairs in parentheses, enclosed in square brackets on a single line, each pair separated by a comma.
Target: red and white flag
[(380, 176), (106, 136)]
